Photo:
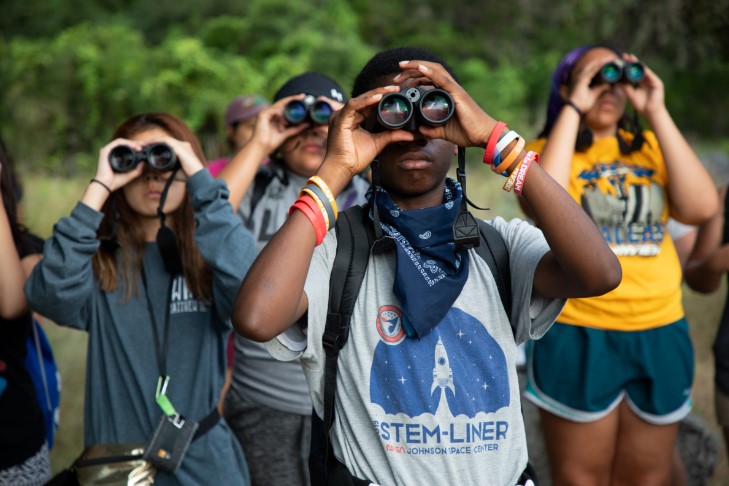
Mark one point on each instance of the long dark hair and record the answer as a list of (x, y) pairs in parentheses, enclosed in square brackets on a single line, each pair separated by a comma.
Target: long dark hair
[(12, 192), (561, 76), (119, 222)]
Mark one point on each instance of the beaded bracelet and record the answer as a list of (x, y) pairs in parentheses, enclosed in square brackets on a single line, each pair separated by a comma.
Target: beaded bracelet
[(504, 141), (523, 168), (488, 155), (316, 180), (513, 154)]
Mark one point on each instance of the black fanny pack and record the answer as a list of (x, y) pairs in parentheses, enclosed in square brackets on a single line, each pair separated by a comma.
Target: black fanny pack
[(173, 436)]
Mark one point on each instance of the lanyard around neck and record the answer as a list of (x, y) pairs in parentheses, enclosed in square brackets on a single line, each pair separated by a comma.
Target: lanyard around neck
[(160, 351)]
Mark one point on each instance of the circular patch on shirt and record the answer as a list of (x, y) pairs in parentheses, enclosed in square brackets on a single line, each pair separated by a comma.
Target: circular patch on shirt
[(389, 324)]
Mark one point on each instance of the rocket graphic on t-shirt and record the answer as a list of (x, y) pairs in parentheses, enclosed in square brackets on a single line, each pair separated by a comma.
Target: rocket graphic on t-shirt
[(442, 372), (415, 376)]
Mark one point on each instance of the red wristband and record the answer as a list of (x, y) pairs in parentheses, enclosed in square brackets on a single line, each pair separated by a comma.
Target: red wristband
[(488, 155), (315, 217), (319, 222)]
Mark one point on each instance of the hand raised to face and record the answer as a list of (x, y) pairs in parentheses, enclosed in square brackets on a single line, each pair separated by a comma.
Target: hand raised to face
[(272, 129), (470, 125), (352, 148), (648, 96), (579, 91)]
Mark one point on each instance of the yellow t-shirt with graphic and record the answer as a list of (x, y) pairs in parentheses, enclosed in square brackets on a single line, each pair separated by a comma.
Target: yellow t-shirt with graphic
[(625, 195)]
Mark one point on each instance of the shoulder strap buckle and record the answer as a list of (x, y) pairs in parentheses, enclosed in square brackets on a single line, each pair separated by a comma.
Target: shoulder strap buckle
[(335, 333), (465, 231)]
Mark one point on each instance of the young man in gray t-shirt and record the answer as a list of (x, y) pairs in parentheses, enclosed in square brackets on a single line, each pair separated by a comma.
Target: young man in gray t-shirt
[(426, 386)]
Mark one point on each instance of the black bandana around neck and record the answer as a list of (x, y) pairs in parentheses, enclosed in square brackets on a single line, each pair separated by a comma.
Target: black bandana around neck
[(430, 273)]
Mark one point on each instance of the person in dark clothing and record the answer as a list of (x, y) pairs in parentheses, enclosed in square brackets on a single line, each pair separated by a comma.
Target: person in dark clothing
[(23, 449), (708, 263)]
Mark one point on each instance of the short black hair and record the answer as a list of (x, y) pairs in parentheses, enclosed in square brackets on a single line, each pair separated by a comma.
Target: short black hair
[(386, 62)]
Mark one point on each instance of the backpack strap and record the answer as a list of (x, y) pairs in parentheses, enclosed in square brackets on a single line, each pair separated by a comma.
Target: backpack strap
[(354, 238), (263, 178), (260, 182), (494, 252)]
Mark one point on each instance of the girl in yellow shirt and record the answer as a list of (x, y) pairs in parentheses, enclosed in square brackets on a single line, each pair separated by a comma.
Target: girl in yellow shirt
[(613, 376)]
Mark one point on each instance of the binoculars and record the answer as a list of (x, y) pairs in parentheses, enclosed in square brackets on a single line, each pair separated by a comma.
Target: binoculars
[(159, 156), (619, 71), (413, 106), (307, 110)]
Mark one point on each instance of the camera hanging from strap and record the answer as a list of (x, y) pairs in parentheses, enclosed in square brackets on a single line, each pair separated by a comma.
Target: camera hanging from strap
[(465, 227)]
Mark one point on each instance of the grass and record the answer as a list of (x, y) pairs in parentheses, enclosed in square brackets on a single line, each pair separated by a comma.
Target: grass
[(48, 198)]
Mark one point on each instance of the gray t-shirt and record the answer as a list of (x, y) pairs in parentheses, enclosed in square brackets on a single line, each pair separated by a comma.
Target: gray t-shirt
[(122, 370), (257, 377), (428, 410)]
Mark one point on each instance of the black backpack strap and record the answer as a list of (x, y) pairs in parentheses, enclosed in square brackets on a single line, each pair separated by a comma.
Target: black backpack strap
[(494, 252), (260, 182), (354, 236), (263, 178)]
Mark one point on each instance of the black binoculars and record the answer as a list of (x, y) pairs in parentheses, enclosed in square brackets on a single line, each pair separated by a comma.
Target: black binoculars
[(413, 106), (307, 110), (619, 71), (159, 156)]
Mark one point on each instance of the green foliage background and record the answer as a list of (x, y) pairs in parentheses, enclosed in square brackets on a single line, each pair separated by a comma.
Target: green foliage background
[(66, 79), (70, 72)]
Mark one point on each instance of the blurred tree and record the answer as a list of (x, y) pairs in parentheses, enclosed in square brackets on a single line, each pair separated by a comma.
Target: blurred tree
[(70, 89), (75, 89), (67, 79)]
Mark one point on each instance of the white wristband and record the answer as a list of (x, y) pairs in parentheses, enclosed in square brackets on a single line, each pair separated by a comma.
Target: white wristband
[(504, 142)]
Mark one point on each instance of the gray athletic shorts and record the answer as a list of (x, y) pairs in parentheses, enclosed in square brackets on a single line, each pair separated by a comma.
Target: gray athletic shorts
[(276, 443)]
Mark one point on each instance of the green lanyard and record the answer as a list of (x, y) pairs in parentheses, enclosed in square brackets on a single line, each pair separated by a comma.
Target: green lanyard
[(164, 379), (161, 397)]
